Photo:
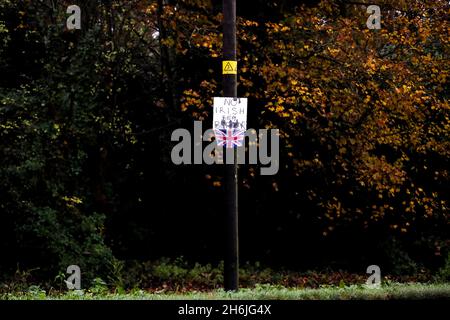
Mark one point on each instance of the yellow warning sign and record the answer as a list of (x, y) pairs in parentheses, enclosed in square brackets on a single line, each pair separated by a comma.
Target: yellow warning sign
[(229, 67)]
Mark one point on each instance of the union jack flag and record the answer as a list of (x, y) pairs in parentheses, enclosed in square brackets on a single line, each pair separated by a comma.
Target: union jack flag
[(229, 137)]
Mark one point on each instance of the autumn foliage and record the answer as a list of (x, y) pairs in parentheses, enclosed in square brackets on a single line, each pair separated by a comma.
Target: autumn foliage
[(364, 113)]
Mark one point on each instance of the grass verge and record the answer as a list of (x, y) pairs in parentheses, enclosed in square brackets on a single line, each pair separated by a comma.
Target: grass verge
[(260, 292)]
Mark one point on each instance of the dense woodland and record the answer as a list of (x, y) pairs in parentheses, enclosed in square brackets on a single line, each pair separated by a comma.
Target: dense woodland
[(86, 118)]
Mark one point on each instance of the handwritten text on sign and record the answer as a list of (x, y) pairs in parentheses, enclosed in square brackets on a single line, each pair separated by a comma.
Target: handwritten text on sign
[(230, 113)]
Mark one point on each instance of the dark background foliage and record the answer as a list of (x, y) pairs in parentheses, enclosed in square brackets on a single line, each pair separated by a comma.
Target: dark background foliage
[(85, 123)]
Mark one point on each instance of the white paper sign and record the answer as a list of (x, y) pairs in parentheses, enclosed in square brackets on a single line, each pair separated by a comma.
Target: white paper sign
[(230, 113)]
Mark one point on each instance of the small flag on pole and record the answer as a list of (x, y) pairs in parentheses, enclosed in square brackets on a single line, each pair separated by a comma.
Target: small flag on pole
[(229, 137)]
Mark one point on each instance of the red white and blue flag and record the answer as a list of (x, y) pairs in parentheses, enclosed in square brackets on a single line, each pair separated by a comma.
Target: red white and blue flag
[(229, 137)]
